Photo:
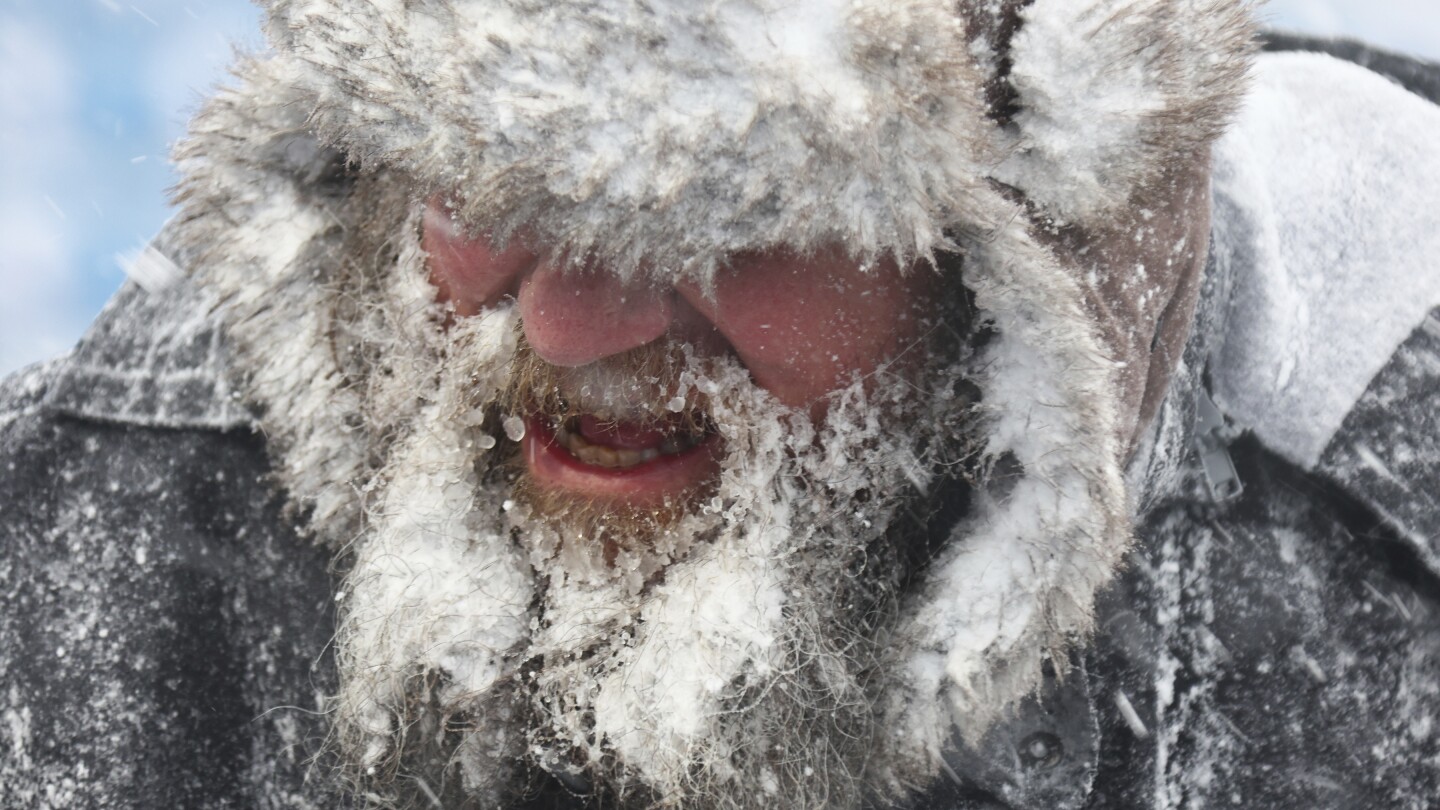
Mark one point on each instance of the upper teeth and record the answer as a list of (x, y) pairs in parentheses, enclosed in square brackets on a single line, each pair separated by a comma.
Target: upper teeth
[(612, 457)]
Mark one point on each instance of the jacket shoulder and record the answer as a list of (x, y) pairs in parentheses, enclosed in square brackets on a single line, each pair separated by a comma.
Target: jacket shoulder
[(1325, 235), (159, 617), (1419, 76), (155, 358), (22, 393), (1287, 636), (1387, 451)]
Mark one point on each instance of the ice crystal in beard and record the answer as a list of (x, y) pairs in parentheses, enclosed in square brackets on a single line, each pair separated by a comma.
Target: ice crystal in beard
[(745, 674)]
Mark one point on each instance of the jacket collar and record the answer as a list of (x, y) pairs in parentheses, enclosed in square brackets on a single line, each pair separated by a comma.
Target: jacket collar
[(1042, 756), (154, 357)]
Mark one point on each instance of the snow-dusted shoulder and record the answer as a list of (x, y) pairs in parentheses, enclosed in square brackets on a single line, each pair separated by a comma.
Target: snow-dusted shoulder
[(22, 392), (153, 357), (1325, 197)]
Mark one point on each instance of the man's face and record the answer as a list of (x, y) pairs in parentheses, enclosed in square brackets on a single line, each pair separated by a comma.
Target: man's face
[(803, 327), (675, 540), (681, 594), (697, 565)]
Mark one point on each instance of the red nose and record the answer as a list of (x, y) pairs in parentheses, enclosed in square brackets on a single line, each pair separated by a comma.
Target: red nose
[(575, 317)]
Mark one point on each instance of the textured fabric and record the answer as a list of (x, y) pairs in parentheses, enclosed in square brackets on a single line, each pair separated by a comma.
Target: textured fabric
[(164, 632), (1388, 451), (129, 369), (175, 377), (1281, 651)]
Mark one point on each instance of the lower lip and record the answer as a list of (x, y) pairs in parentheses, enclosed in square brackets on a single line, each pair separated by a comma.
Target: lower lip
[(653, 483)]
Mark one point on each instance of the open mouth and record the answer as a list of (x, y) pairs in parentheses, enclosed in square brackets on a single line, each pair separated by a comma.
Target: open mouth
[(620, 445), (638, 461)]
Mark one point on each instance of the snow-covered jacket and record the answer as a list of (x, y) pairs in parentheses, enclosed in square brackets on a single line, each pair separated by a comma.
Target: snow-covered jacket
[(1271, 642)]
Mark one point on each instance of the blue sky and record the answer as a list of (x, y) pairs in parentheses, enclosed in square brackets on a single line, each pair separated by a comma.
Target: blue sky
[(93, 92)]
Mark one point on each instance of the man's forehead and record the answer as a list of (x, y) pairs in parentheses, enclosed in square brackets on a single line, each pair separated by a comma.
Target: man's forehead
[(449, 239)]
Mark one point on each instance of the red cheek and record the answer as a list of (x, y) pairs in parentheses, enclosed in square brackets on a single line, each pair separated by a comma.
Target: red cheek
[(469, 272), (803, 327)]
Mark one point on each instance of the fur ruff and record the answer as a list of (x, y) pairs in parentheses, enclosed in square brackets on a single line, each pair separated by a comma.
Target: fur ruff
[(1111, 92), (886, 155)]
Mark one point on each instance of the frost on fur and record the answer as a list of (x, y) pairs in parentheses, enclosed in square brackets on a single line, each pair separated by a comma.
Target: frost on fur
[(432, 562), (668, 137), (664, 136), (1016, 584), (1112, 91)]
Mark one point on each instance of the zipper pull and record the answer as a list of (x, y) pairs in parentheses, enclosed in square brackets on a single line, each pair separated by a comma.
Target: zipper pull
[(1211, 442)]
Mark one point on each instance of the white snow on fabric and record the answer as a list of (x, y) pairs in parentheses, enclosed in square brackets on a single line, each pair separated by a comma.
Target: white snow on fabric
[(1332, 172)]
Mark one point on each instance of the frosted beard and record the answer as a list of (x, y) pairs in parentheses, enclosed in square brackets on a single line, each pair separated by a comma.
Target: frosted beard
[(723, 651)]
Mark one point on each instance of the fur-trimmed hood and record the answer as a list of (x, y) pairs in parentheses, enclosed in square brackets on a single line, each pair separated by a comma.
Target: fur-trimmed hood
[(662, 139), (670, 135)]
